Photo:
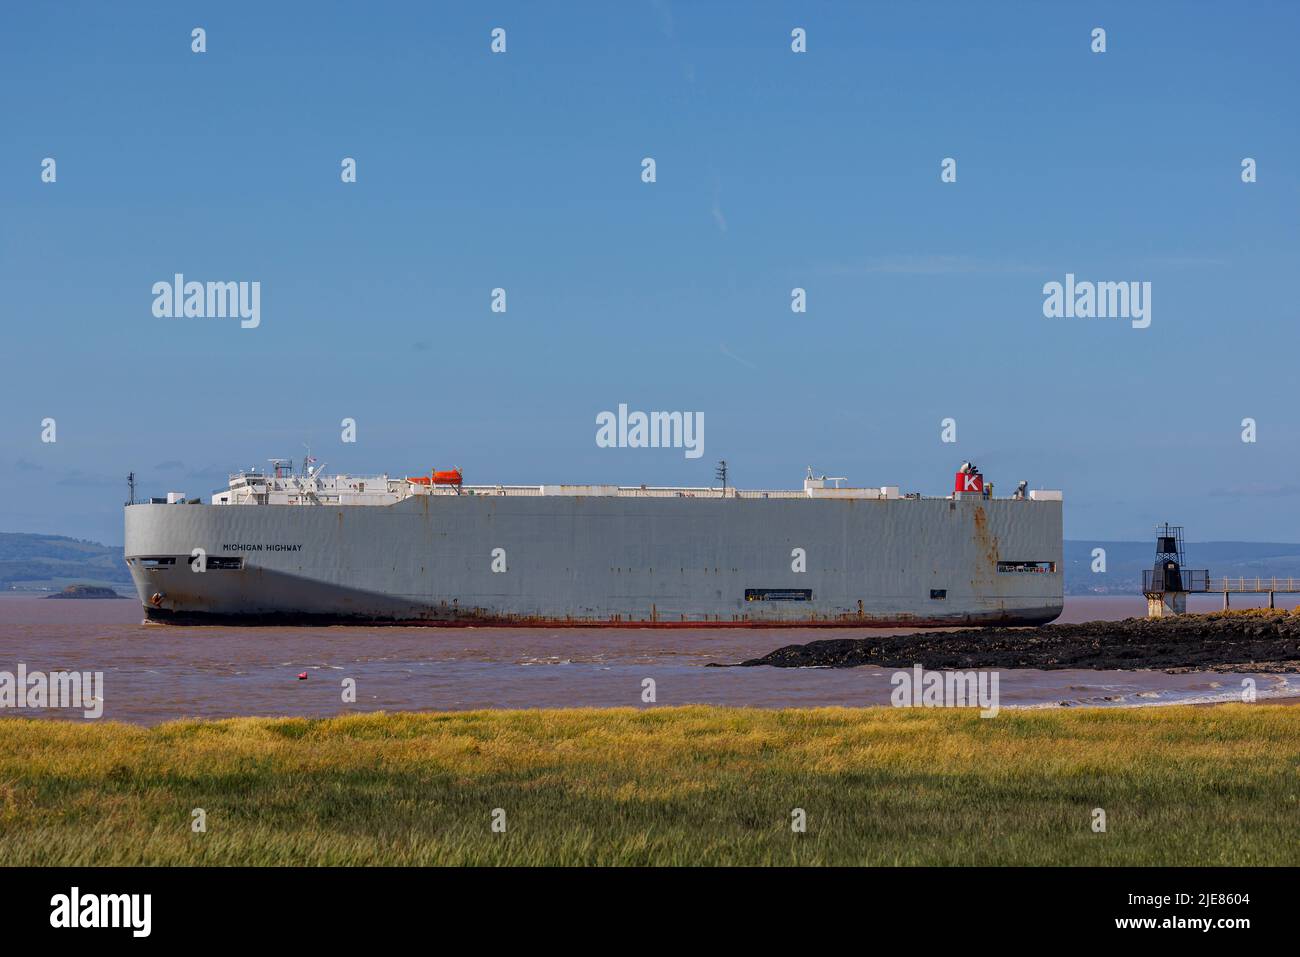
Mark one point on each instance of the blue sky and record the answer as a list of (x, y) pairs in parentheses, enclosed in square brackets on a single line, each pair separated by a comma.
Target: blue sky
[(774, 170)]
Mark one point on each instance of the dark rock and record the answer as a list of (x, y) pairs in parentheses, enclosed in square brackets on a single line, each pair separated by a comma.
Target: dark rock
[(1184, 642)]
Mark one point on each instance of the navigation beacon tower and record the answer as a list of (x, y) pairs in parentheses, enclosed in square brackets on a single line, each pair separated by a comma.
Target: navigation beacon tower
[(1165, 589)]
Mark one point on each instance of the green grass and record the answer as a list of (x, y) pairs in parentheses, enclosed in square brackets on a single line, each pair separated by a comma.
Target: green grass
[(690, 785)]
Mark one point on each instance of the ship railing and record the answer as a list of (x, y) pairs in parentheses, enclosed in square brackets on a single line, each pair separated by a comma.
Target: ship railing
[(323, 488), (658, 491), (480, 490)]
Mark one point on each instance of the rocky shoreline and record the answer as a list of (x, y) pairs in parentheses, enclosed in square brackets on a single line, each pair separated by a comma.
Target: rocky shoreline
[(1242, 642)]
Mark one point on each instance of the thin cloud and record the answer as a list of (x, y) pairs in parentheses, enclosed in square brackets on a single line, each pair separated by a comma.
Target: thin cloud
[(1185, 262), (665, 15), (666, 24), (84, 479), (1256, 490), (932, 265), (718, 217), (212, 471), (731, 355)]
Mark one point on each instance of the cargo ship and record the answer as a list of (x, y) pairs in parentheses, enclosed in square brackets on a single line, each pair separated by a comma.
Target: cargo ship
[(302, 547)]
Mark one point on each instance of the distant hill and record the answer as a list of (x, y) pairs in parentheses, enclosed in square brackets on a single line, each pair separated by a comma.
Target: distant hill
[(42, 563), (50, 562)]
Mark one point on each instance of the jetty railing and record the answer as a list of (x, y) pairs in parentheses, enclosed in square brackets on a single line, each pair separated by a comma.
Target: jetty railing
[(1258, 585)]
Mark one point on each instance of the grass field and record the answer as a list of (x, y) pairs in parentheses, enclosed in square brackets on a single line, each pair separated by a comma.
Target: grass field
[(692, 785)]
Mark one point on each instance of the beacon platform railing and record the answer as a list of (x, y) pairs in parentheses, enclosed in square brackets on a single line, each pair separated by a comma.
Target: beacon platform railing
[(1188, 579)]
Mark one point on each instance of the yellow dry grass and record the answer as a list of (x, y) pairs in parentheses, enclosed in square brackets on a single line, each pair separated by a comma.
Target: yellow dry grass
[(694, 785)]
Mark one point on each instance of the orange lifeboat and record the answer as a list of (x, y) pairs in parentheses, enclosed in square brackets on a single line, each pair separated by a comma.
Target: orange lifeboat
[(451, 477)]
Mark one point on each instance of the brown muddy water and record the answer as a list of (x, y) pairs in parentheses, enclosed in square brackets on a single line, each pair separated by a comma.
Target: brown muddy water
[(155, 673)]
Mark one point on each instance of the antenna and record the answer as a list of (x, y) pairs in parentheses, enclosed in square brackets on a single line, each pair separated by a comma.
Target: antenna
[(130, 484), (720, 473)]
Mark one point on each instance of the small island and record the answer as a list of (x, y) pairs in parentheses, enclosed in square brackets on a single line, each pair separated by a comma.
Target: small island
[(86, 591)]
